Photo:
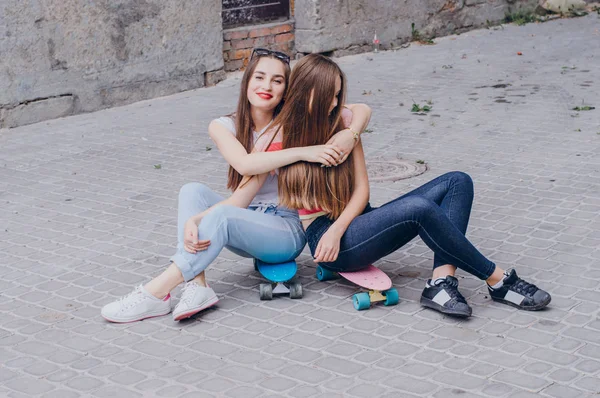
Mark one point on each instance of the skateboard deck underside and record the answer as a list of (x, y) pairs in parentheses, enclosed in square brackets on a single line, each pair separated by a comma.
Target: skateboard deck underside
[(369, 278), (278, 272)]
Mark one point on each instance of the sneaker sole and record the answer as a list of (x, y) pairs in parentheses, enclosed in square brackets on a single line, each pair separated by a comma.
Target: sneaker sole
[(196, 310), (154, 315), (534, 308), (425, 302)]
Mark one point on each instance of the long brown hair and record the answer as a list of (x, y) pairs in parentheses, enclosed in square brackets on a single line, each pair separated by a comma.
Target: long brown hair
[(244, 125), (306, 120)]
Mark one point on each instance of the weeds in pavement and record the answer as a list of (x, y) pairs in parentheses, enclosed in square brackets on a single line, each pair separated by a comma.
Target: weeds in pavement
[(417, 36), (567, 68), (158, 166), (520, 17), (416, 108), (584, 108)]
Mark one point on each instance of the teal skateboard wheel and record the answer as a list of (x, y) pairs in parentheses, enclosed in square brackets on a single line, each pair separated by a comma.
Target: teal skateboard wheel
[(361, 301), (324, 274), (391, 296)]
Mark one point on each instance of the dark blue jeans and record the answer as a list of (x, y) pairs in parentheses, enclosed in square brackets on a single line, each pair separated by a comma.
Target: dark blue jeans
[(438, 212)]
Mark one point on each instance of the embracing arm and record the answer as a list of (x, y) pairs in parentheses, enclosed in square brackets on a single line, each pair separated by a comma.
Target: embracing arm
[(361, 116), (344, 139), (248, 164)]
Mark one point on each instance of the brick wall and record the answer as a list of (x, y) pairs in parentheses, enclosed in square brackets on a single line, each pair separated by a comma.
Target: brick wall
[(239, 42)]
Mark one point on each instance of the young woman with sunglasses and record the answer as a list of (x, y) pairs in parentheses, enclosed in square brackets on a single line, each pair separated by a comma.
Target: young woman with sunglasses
[(250, 222)]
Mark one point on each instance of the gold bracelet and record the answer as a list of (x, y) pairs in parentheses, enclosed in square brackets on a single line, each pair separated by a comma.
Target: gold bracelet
[(355, 134)]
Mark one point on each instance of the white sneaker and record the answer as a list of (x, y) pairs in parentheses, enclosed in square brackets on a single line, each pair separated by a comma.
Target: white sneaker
[(137, 305), (194, 298)]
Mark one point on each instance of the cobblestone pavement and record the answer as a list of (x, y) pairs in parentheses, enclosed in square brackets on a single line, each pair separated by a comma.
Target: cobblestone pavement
[(89, 210)]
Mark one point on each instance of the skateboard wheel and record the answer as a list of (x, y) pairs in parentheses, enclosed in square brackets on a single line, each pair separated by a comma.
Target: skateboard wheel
[(361, 301), (391, 296), (266, 291), (324, 274), (295, 290), (255, 265)]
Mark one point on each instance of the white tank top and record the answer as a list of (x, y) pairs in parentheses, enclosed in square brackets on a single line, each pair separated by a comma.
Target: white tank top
[(267, 195)]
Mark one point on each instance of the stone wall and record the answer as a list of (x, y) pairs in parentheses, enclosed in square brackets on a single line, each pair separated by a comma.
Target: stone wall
[(239, 42), (348, 26), (60, 57)]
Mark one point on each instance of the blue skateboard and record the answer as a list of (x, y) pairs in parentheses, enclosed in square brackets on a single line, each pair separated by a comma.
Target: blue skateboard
[(280, 276)]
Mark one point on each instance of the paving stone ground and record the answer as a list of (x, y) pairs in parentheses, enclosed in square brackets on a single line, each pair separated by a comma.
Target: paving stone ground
[(87, 213)]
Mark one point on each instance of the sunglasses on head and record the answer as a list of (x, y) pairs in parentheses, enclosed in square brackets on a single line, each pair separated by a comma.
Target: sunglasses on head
[(277, 54)]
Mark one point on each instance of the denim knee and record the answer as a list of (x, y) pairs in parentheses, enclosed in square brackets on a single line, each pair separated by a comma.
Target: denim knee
[(217, 218), (419, 205), (192, 189), (461, 178)]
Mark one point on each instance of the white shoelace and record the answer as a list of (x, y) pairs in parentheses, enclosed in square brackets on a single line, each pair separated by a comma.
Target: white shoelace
[(188, 291), (132, 298)]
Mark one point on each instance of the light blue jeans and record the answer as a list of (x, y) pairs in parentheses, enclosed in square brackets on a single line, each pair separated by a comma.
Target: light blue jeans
[(271, 234)]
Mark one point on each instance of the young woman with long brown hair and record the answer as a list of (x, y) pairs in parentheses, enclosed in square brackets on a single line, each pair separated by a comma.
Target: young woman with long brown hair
[(346, 234), (250, 222)]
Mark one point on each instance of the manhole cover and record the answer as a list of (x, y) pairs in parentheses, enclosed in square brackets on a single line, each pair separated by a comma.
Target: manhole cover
[(394, 170)]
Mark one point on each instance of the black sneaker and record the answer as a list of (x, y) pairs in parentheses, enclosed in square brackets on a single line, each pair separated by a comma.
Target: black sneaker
[(443, 296), (520, 294)]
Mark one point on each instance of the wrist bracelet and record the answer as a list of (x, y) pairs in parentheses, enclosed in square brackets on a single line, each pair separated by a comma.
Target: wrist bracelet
[(355, 134)]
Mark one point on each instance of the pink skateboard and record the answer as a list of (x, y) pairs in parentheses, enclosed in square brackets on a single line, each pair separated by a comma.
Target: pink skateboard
[(372, 278)]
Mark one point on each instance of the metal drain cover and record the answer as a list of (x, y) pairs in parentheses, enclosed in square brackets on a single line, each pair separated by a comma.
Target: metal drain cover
[(394, 170)]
